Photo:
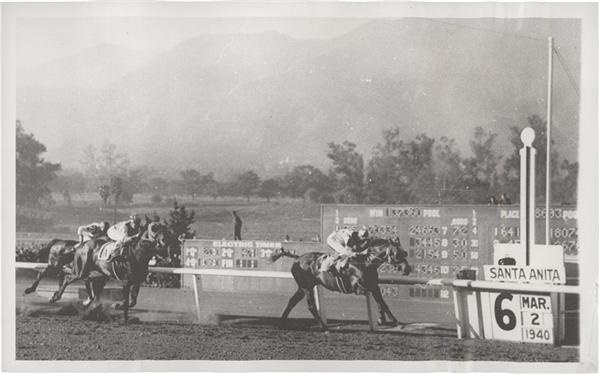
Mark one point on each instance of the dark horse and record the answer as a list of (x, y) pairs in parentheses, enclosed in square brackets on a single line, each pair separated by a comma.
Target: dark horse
[(90, 265), (360, 276), (59, 255)]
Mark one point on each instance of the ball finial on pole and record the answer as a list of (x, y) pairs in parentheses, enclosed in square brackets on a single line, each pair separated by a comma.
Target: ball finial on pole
[(527, 136)]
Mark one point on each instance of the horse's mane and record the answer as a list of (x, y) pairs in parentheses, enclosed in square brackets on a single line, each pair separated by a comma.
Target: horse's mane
[(376, 241)]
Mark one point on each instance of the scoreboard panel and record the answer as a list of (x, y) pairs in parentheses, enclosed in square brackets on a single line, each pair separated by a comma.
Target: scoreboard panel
[(441, 240), (242, 255)]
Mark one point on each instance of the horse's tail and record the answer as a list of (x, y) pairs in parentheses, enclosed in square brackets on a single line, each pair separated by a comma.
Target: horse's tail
[(44, 252), (282, 253)]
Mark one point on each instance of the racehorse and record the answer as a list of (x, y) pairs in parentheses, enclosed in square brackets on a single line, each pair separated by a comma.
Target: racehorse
[(90, 265), (360, 276), (58, 253)]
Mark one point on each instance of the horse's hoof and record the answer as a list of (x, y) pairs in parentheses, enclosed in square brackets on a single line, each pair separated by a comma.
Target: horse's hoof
[(87, 302), (28, 291), (325, 332), (117, 306)]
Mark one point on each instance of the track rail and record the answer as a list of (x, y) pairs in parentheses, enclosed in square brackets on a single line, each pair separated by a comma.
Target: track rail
[(383, 279)]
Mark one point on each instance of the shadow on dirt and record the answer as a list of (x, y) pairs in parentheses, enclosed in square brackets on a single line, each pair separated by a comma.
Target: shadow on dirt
[(98, 312), (335, 325)]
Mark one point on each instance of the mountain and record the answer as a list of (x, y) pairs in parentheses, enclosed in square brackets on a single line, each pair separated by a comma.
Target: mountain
[(270, 102)]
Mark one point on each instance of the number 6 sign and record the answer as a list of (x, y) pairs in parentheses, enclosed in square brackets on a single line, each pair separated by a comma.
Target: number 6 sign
[(518, 317)]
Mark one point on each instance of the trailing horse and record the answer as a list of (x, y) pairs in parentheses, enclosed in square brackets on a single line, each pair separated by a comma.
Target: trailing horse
[(59, 255), (359, 277), (90, 265)]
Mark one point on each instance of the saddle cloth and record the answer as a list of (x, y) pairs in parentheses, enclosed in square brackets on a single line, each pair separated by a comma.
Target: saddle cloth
[(106, 250)]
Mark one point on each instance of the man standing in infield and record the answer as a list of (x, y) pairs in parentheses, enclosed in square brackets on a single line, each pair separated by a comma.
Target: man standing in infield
[(237, 226)]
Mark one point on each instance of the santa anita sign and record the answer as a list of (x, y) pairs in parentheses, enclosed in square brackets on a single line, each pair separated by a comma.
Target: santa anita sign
[(527, 274), (526, 317)]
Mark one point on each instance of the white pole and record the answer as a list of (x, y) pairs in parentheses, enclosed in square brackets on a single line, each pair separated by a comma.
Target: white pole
[(548, 137)]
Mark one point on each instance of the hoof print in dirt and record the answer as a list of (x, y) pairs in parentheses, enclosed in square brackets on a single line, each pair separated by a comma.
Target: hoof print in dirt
[(68, 310), (97, 314)]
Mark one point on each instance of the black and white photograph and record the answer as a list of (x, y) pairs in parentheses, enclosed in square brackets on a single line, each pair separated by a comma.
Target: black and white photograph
[(299, 186)]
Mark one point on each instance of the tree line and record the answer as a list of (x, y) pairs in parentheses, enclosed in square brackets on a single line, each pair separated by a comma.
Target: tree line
[(422, 170)]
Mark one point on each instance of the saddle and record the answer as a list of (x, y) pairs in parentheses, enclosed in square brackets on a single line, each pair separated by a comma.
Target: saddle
[(344, 281), (106, 250)]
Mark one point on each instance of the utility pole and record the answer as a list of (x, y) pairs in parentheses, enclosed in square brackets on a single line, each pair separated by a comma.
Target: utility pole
[(548, 136)]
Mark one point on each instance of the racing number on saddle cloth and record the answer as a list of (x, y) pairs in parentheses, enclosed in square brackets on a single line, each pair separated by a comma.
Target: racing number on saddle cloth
[(520, 317)]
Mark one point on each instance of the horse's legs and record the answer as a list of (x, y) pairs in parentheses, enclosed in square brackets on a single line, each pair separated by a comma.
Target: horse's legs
[(67, 281), (294, 300), (90, 292), (47, 271), (97, 286), (126, 289), (310, 294), (383, 307), (135, 290)]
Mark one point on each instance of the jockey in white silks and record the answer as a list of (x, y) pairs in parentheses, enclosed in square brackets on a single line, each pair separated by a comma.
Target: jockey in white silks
[(347, 243), (123, 233), (92, 231)]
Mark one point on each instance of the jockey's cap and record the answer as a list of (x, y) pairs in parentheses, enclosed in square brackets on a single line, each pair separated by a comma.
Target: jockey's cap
[(135, 218)]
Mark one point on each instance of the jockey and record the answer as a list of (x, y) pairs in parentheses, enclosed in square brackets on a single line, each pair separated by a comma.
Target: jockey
[(124, 233), (92, 231), (347, 243)]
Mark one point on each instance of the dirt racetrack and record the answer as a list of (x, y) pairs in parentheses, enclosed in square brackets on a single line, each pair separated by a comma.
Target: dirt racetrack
[(62, 334), (237, 328)]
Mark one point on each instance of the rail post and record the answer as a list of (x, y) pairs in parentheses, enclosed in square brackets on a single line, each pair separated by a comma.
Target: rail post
[(197, 296), (319, 303), (371, 315)]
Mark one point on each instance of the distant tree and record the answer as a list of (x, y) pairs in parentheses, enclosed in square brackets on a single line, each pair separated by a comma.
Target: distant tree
[(565, 190), (385, 180), (209, 186), (512, 164), (269, 188), (33, 173), (73, 182), (101, 164), (104, 192), (419, 166), (133, 182), (402, 172), (192, 181), (116, 190), (246, 184), (481, 177), (179, 224), (305, 177), (313, 195), (213, 189), (348, 168), (449, 171)]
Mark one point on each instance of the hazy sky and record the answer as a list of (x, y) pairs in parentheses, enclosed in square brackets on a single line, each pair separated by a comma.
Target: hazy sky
[(42, 40)]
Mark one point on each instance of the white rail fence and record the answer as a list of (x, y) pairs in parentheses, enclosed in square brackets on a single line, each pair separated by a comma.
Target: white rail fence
[(459, 286)]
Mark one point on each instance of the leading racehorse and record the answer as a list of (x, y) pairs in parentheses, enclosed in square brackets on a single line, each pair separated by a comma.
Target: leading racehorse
[(90, 265), (59, 254), (359, 277)]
